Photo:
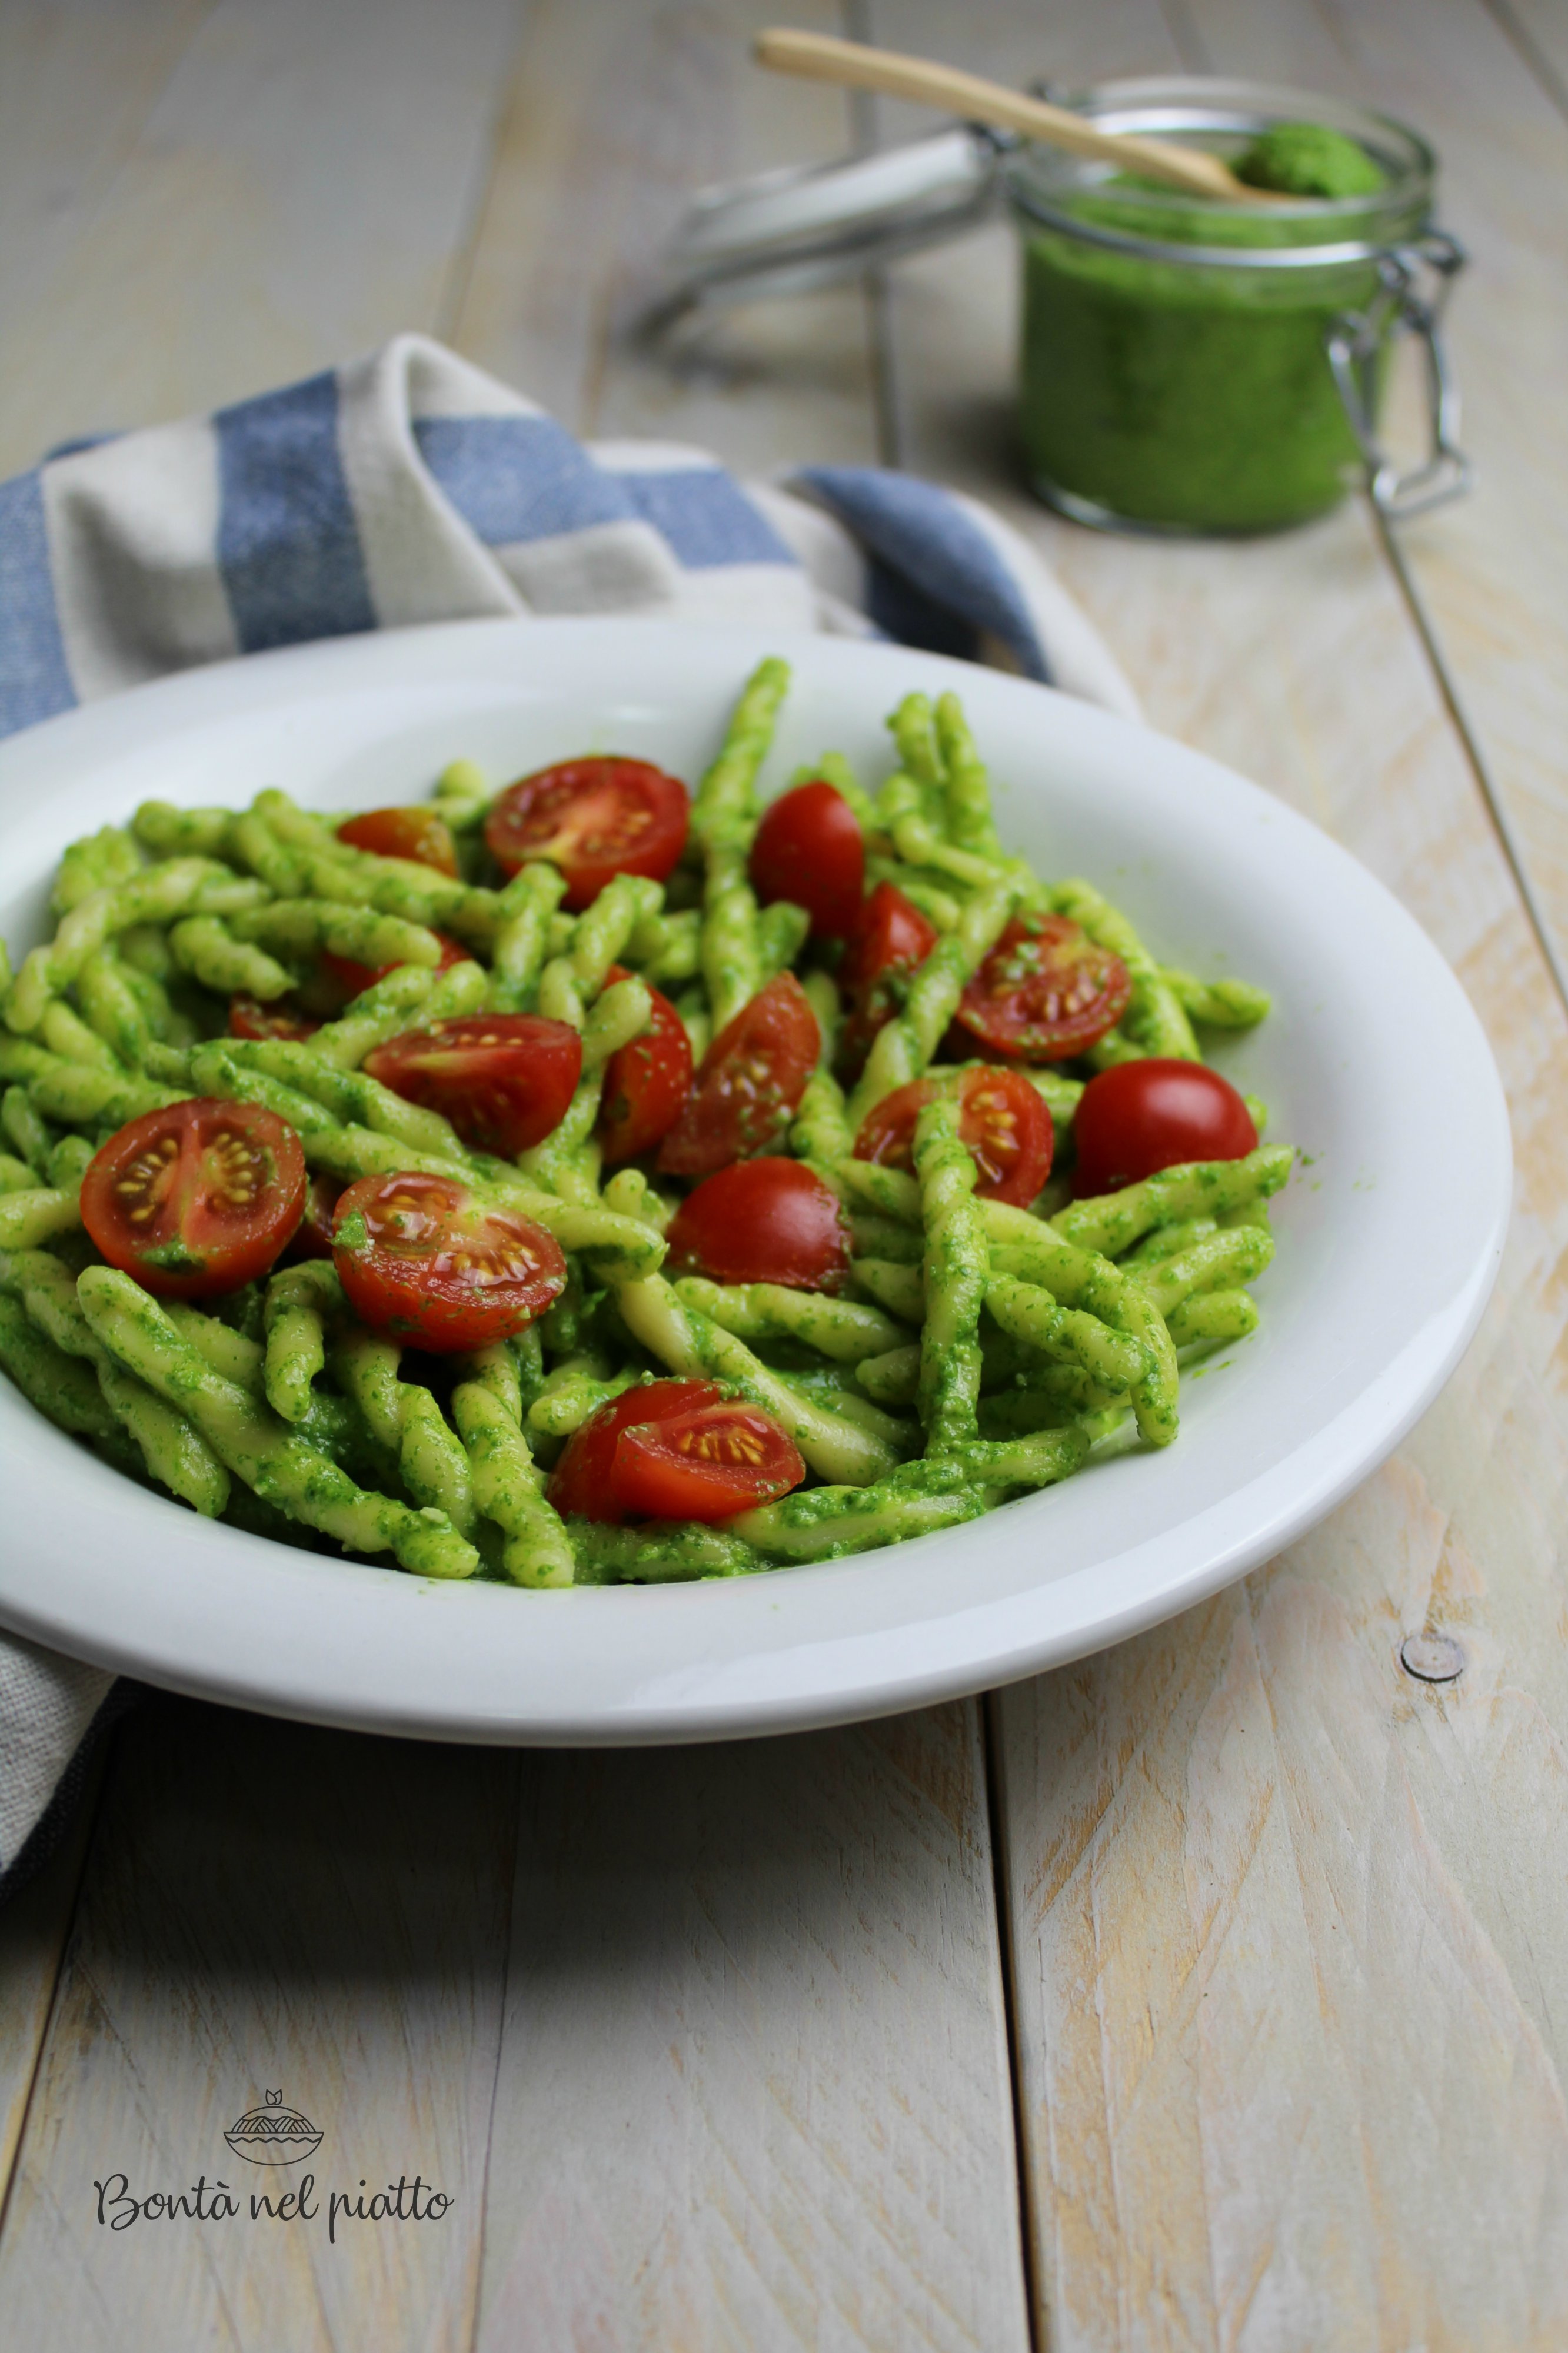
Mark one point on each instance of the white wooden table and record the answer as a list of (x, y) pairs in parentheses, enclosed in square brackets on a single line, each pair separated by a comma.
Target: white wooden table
[(1211, 1992)]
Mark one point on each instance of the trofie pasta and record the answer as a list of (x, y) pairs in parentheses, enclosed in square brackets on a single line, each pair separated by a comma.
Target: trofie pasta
[(797, 1194)]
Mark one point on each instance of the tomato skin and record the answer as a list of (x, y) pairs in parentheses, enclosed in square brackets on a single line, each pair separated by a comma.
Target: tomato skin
[(1138, 1117), (889, 938), (809, 849), (752, 1077), (424, 1260), (1002, 1119), (350, 977), (197, 1199), (706, 1464), (419, 833), (768, 1221), (504, 1079), (1045, 991), (284, 1017), (593, 819), (583, 1480), (645, 1082)]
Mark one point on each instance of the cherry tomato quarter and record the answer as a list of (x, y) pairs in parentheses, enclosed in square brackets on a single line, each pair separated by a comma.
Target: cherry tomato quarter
[(423, 1258), (197, 1199), (704, 1464), (1045, 991), (645, 1082), (348, 978), (284, 1017), (593, 819), (419, 834), (583, 1480), (809, 849), (768, 1221), (751, 1079), (889, 939), (1002, 1119), (1138, 1117), (504, 1079)]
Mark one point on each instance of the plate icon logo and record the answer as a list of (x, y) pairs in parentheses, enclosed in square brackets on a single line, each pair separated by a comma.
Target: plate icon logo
[(273, 2134)]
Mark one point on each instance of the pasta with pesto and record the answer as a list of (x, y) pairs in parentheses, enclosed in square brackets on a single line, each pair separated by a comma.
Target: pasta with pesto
[(538, 1185)]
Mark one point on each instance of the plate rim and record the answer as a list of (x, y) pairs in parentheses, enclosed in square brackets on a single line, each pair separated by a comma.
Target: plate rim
[(68, 741)]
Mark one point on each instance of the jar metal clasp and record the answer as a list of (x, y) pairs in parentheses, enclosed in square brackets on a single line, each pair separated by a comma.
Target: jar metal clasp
[(1413, 289)]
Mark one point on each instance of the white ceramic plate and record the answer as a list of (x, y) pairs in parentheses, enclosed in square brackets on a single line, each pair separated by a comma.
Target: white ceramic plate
[(1389, 1237)]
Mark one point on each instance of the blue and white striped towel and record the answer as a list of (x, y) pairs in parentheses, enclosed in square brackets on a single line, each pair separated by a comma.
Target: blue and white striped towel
[(411, 488)]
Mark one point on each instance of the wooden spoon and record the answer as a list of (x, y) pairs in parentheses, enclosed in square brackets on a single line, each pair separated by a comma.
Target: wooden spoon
[(818, 57)]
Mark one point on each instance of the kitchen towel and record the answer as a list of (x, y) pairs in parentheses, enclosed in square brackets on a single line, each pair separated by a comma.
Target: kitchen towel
[(410, 488)]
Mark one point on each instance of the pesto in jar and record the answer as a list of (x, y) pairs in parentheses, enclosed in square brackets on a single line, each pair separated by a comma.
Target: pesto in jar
[(1190, 397)]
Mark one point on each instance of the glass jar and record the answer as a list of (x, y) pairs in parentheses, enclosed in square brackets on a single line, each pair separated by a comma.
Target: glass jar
[(1187, 364), (1192, 366)]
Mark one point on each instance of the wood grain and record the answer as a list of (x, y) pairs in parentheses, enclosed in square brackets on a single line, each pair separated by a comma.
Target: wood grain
[(299, 188), (615, 117), (78, 78), (752, 2090), (1539, 30), (34, 1926), (269, 1908), (1491, 572)]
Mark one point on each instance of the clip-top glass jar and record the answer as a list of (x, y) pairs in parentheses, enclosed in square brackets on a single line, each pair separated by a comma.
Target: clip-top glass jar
[(1194, 365), (1187, 364)]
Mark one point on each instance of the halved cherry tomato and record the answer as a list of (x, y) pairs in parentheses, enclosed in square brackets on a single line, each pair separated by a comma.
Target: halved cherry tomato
[(284, 1017), (348, 977), (768, 1221), (593, 819), (196, 1198), (752, 1077), (645, 1083), (504, 1079), (1002, 1119), (890, 937), (312, 1237), (1138, 1117), (1045, 991), (705, 1465), (416, 833), (423, 1258), (583, 1480), (809, 849)]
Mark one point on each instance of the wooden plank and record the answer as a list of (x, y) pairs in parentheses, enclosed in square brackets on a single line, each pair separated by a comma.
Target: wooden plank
[(1291, 2013), (301, 188), (752, 2090), (78, 78), (615, 117), (1490, 573), (1539, 30), (34, 1927), (268, 1908)]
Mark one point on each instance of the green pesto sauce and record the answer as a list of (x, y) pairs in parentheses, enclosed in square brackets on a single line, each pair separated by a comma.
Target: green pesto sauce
[(1193, 398), (1308, 159)]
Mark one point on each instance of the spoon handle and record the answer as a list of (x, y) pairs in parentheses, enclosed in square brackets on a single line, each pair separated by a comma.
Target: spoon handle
[(818, 57)]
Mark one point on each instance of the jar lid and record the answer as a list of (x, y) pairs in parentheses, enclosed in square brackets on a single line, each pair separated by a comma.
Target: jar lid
[(792, 231)]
